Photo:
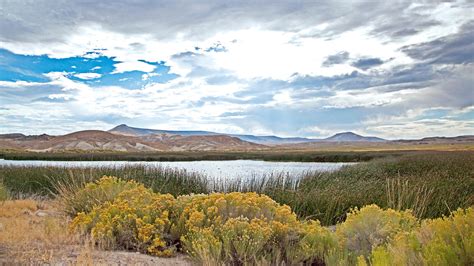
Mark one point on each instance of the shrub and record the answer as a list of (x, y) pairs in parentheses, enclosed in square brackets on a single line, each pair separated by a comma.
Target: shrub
[(137, 219), (251, 229), (314, 244), (238, 240), (442, 241), (243, 225), (204, 246), (199, 211), (247, 228), (93, 194), (244, 240), (371, 226)]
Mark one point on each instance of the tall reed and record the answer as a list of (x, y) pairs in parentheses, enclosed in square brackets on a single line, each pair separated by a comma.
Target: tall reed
[(431, 184)]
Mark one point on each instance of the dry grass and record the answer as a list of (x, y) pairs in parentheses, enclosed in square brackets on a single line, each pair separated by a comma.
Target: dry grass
[(35, 233), (401, 195), (384, 146)]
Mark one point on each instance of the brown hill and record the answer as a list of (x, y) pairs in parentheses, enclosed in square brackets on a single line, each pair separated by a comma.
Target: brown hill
[(202, 143), (96, 140)]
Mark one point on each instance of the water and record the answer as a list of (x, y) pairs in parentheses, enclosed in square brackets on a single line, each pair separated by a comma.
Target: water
[(213, 169)]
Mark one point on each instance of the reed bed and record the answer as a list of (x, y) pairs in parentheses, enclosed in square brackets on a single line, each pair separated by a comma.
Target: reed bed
[(44, 180), (430, 184), (265, 155)]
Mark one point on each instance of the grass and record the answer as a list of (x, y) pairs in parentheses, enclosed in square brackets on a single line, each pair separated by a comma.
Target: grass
[(4, 194), (266, 155), (430, 183), (30, 238), (36, 232), (315, 152), (46, 181)]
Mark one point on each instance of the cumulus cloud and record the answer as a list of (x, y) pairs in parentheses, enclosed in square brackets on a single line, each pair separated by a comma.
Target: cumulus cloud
[(87, 75), (133, 66), (366, 63), (336, 59), (457, 48)]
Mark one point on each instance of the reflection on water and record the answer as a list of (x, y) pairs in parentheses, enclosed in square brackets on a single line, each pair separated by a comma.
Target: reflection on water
[(212, 169)]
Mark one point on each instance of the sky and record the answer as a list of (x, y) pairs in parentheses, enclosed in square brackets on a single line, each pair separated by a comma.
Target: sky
[(393, 69)]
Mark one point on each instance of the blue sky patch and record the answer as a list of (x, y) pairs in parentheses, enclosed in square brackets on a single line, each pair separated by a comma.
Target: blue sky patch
[(32, 68)]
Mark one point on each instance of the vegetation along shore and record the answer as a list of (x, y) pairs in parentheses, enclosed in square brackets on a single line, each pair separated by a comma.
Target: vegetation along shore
[(283, 216)]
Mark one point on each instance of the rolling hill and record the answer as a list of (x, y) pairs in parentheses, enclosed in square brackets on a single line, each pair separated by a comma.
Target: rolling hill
[(96, 140), (265, 140), (352, 137), (130, 139)]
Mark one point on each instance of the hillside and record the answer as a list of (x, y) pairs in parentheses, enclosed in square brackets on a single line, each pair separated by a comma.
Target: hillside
[(352, 137), (96, 140), (129, 139), (265, 140)]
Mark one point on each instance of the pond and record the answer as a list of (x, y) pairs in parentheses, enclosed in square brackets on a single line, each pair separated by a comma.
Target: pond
[(212, 169)]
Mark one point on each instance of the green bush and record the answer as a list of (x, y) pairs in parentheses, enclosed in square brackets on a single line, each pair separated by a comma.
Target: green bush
[(442, 241), (314, 243), (371, 227)]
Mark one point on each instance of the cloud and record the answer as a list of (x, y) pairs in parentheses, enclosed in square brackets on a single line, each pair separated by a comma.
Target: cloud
[(457, 48), (367, 63), (423, 128), (88, 75), (336, 59), (133, 66), (289, 68)]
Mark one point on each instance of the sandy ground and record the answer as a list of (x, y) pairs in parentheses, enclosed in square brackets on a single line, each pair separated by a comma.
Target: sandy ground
[(35, 233), (121, 258)]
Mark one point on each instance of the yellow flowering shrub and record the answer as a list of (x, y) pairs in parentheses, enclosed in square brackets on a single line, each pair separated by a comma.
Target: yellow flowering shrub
[(137, 219), (314, 244), (442, 241), (370, 227), (245, 240), (247, 228), (94, 193), (204, 246), (199, 211), (243, 226), (252, 229)]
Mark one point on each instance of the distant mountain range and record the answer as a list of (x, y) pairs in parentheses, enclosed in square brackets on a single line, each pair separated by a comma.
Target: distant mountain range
[(94, 140), (265, 140), (131, 139)]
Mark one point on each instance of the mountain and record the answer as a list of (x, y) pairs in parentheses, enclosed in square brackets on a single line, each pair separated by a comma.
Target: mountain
[(134, 131), (130, 139), (95, 140), (457, 139), (352, 137), (265, 140), (271, 140)]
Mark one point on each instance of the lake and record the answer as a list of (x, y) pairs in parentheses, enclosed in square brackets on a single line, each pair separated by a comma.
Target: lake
[(213, 169)]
